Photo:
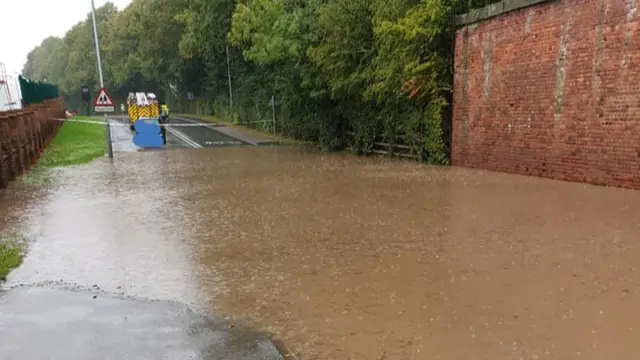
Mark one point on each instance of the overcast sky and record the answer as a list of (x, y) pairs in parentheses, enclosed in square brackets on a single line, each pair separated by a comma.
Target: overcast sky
[(49, 18)]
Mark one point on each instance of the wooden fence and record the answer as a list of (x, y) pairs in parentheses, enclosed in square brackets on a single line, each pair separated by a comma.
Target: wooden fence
[(24, 134), (383, 148)]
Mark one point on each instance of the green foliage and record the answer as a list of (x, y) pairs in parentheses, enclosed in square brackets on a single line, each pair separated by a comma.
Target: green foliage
[(10, 258), (434, 145), (272, 32), (47, 62), (343, 72)]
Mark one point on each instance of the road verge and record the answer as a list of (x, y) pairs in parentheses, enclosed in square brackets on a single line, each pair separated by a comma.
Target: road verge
[(12, 248), (75, 144)]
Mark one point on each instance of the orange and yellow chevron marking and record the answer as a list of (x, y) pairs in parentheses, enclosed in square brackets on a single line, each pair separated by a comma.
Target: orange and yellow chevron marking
[(144, 112), (133, 113), (154, 110)]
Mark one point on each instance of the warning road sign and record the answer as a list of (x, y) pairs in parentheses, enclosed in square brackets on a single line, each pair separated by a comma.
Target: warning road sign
[(103, 102)]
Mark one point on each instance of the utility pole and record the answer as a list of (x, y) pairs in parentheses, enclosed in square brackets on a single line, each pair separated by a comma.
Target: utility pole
[(95, 35), (229, 79)]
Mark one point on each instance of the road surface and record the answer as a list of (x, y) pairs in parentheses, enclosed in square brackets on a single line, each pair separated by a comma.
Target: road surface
[(181, 133), (45, 322), (205, 135)]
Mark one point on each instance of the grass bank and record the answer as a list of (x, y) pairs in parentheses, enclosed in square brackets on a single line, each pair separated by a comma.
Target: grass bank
[(75, 144), (12, 249)]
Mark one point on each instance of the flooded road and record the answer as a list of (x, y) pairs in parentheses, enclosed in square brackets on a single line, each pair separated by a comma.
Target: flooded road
[(347, 257)]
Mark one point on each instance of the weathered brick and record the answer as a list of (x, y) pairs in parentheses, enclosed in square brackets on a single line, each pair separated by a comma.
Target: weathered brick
[(551, 90)]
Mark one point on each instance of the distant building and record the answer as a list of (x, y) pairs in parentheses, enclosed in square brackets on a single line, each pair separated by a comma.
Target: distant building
[(10, 95)]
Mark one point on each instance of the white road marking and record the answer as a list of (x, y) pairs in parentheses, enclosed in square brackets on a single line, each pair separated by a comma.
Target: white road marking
[(180, 135)]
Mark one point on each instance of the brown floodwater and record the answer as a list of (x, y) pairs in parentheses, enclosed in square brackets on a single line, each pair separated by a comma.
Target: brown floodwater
[(350, 258)]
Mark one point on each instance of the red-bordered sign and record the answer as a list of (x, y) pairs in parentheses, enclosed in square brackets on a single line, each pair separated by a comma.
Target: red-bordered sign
[(103, 102)]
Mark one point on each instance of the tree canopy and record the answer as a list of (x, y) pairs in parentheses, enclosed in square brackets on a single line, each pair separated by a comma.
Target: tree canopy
[(341, 71)]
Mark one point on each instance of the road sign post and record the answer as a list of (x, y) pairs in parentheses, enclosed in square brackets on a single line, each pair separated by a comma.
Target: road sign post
[(191, 97), (86, 97), (104, 104), (97, 43)]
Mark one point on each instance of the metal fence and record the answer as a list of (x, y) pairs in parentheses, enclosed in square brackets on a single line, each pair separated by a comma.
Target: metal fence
[(24, 134), (35, 92)]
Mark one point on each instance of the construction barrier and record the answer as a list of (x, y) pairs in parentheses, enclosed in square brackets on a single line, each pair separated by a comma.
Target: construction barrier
[(24, 134)]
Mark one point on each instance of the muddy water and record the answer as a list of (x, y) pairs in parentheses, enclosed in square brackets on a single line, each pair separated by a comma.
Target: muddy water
[(352, 258)]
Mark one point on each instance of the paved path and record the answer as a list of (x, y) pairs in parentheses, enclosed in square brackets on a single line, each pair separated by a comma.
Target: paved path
[(48, 323), (122, 138)]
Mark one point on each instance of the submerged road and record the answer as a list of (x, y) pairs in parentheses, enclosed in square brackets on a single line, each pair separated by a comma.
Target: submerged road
[(61, 321), (343, 257)]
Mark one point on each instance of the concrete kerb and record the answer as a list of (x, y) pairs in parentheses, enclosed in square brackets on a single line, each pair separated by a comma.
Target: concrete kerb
[(283, 349)]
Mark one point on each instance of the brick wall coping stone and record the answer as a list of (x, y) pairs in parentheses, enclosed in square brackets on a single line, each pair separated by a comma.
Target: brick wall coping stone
[(494, 10)]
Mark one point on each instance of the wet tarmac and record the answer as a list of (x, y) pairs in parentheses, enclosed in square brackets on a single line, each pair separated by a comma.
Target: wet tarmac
[(206, 135), (48, 323), (346, 257)]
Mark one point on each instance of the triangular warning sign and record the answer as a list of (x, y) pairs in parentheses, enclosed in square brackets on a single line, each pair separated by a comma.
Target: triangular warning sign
[(103, 99)]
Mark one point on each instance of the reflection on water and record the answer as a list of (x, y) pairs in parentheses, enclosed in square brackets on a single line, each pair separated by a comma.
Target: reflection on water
[(352, 258)]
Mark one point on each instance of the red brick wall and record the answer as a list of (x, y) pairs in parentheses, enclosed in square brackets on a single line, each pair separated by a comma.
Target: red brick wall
[(552, 90)]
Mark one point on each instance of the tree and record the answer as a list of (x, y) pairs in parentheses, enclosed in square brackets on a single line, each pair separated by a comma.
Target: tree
[(376, 69), (47, 62)]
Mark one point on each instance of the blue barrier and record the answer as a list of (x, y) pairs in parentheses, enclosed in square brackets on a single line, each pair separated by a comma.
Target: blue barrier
[(147, 133)]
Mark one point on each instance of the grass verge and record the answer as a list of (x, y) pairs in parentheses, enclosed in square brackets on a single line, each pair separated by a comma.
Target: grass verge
[(75, 144), (12, 248)]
